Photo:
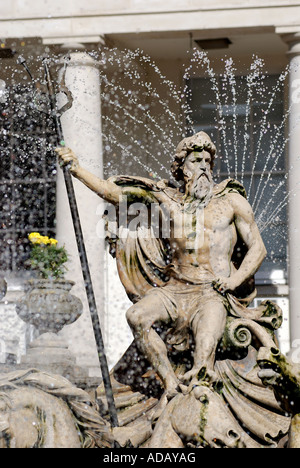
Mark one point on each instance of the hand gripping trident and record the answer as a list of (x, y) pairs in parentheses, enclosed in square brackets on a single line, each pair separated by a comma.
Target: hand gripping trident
[(56, 115)]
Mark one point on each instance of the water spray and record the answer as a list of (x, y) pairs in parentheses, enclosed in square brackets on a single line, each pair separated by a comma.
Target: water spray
[(56, 114)]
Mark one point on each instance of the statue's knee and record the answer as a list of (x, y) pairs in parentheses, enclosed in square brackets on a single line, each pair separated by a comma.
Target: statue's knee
[(139, 320), (134, 317)]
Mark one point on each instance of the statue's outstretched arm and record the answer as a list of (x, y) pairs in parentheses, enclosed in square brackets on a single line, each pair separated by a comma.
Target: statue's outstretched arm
[(106, 189)]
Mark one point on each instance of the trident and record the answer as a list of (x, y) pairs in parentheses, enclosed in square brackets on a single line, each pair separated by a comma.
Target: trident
[(56, 115)]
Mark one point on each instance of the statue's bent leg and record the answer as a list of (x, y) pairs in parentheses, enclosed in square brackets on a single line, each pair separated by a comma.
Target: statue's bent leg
[(141, 317), (208, 328)]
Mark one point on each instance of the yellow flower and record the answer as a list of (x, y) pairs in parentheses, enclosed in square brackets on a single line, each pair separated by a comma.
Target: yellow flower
[(44, 240), (35, 238), (53, 241), (34, 234)]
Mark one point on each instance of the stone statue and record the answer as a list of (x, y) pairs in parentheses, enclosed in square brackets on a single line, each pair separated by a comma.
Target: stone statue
[(189, 273), (197, 373), (283, 376), (172, 428), (206, 222), (42, 410)]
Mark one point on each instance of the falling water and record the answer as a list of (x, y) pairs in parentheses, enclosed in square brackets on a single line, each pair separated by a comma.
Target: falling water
[(140, 122), (144, 116), (234, 156), (143, 120)]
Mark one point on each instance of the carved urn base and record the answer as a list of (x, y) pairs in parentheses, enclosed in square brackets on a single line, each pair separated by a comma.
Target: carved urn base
[(49, 306)]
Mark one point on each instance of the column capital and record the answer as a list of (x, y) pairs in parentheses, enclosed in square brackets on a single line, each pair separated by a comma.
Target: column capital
[(82, 41), (79, 58), (293, 41)]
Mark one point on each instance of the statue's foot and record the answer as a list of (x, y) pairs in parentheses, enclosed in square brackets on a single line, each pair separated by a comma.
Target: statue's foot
[(171, 384), (202, 375), (171, 392), (195, 373)]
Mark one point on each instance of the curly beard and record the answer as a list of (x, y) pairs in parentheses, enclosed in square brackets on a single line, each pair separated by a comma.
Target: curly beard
[(200, 186)]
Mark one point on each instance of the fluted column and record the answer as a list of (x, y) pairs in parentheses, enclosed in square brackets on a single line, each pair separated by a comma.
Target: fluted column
[(293, 41), (82, 132)]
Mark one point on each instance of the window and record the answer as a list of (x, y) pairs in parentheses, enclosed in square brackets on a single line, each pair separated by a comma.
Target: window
[(27, 176), (250, 137)]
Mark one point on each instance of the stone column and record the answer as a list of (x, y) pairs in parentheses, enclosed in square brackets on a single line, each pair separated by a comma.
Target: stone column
[(293, 41), (82, 133)]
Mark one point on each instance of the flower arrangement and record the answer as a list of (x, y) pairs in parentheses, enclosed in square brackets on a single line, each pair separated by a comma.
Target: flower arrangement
[(46, 257)]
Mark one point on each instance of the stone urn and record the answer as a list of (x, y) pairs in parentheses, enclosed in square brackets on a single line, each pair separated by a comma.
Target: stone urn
[(49, 306)]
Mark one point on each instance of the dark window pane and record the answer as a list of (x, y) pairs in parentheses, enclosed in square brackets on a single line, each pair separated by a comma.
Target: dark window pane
[(251, 147), (203, 102), (29, 204), (6, 207), (21, 252), (6, 251), (27, 176), (269, 149)]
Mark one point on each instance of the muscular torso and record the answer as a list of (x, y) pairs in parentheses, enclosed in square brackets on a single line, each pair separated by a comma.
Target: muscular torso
[(202, 241), (203, 250)]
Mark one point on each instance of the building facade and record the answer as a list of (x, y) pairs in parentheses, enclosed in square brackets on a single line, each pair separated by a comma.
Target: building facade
[(142, 75)]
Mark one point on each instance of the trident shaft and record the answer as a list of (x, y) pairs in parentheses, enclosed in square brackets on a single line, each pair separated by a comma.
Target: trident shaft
[(56, 115)]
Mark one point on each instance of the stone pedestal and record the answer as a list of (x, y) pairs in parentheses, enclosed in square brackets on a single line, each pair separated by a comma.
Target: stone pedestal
[(49, 306), (51, 353)]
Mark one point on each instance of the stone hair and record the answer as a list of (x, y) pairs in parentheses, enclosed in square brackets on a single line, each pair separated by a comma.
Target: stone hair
[(186, 146)]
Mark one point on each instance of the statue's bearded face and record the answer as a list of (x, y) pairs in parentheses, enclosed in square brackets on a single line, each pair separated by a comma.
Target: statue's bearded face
[(197, 174)]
